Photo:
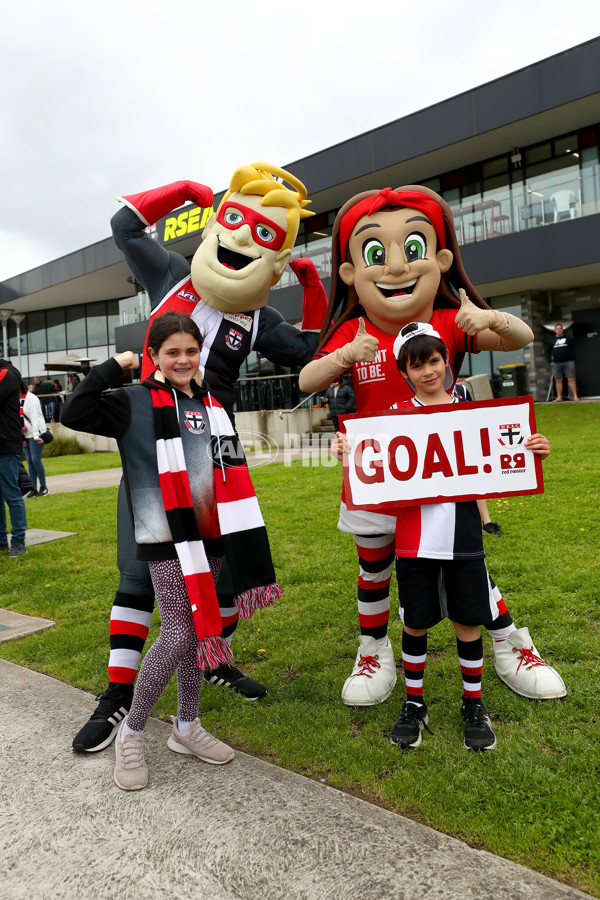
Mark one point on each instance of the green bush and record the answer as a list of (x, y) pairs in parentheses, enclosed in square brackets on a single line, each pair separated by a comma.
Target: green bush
[(63, 446)]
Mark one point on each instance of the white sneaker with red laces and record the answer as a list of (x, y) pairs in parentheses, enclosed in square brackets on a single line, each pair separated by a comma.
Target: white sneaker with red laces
[(519, 665), (373, 676)]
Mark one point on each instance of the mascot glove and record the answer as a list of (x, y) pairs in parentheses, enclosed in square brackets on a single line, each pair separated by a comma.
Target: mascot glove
[(362, 349), (515, 333), (314, 298), (152, 205), (471, 318)]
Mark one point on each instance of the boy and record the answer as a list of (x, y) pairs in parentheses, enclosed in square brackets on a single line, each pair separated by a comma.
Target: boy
[(440, 544)]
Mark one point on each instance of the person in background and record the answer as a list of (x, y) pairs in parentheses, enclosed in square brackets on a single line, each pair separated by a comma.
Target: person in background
[(11, 447), (560, 353), (341, 399), (34, 425)]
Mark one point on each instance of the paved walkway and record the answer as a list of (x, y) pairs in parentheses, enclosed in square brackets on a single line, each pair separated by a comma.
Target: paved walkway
[(245, 831)]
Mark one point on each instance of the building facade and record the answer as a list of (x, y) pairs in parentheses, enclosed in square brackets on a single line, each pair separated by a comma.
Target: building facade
[(518, 161)]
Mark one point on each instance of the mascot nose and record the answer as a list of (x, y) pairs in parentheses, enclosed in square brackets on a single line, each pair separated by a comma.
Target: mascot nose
[(396, 263), (243, 235)]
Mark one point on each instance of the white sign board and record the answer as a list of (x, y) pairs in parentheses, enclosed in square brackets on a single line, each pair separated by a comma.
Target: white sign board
[(436, 454)]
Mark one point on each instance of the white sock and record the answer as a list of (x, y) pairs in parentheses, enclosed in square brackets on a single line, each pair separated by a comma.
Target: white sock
[(382, 642), (125, 729), (183, 727)]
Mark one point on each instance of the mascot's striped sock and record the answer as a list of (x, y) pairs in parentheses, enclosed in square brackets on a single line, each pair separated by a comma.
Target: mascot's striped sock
[(470, 657), (503, 626), (130, 620), (414, 657), (376, 557)]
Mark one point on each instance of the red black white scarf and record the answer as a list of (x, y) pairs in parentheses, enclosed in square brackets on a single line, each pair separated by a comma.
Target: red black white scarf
[(243, 531)]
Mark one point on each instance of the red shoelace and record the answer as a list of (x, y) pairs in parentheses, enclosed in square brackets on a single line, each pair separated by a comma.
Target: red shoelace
[(528, 657), (366, 662)]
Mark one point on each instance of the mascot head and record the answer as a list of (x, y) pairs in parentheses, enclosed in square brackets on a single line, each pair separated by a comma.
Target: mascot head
[(395, 255), (248, 241)]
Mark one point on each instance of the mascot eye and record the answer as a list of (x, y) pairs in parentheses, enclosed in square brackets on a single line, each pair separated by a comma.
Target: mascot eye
[(264, 233), (374, 253), (415, 247), (233, 218)]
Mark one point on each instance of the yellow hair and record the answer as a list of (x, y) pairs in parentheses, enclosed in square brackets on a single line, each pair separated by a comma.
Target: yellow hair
[(261, 178)]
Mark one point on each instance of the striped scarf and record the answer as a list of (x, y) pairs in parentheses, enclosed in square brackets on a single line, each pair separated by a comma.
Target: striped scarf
[(243, 531)]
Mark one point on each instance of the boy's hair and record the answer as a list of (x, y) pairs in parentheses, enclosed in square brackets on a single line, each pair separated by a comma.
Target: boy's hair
[(171, 323), (418, 349)]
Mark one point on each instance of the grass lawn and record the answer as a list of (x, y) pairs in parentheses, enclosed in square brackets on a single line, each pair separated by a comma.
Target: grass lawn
[(82, 462), (535, 800)]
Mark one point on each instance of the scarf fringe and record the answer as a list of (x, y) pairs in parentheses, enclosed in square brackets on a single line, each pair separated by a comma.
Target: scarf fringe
[(212, 652), (256, 598)]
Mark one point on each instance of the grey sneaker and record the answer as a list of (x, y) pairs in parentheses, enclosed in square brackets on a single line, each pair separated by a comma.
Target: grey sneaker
[(199, 743), (17, 548), (131, 771)]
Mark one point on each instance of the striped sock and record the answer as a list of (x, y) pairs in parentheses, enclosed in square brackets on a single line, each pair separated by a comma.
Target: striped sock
[(414, 657), (470, 657)]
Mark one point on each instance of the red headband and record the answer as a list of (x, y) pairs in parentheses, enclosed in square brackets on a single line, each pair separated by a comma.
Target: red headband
[(389, 197)]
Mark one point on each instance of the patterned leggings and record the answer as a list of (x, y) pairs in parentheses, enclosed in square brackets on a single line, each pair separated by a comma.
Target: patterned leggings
[(174, 650)]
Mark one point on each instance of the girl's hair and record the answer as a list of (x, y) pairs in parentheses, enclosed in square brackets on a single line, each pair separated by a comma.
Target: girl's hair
[(417, 350), (23, 387), (345, 299), (171, 323)]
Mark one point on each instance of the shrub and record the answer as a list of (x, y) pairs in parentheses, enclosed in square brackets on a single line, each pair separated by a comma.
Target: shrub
[(63, 446)]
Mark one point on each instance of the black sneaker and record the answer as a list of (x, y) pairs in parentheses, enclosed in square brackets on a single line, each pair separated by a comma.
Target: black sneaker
[(492, 528), (31, 494), (478, 728), (43, 491), (104, 722), (407, 730), (17, 548), (229, 676)]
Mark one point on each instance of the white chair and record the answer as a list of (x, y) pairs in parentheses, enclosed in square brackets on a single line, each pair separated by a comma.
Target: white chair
[(565, 205)]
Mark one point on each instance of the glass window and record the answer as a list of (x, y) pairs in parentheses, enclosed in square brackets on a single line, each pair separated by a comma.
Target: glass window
[(114, 319), (96, 324), (538, 154), (36, 332), (55, 329), (76, 336), (495, 167)]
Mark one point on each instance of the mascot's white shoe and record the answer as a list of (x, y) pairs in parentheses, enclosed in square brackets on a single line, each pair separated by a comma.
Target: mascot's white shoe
[(373, 676), (519, 665)]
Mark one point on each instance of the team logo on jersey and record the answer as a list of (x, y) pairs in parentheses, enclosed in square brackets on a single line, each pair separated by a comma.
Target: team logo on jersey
[(234, 339), (187, 295), (239, 319), (194, 421), (510, 435)]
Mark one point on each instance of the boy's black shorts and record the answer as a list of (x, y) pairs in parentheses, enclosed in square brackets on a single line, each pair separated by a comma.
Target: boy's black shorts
[(433, 589)]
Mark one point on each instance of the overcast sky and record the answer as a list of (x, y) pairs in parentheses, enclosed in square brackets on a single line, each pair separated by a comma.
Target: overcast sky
[(100, 99)]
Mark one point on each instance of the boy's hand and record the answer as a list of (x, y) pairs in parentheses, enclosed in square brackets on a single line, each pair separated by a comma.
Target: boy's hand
[(538, 444), (339, 445)]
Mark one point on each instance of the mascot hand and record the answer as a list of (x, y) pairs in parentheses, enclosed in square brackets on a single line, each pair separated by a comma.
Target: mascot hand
[(362, 349), (314, 298), (152, 205), (471, 318)]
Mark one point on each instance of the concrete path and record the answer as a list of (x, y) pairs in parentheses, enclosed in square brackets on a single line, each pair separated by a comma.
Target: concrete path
[(244, 831)]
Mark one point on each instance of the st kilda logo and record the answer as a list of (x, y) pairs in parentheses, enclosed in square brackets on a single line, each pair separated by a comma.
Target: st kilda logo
[(233, 339), (194, 421), (511, 437)]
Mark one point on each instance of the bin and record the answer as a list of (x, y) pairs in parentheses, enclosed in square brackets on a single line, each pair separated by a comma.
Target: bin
[(513, 380)]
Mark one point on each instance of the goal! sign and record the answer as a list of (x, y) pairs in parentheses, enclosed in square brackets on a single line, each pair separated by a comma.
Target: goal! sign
[(438, 454)]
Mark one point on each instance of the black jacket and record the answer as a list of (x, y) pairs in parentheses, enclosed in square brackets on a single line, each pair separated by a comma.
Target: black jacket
[(560, 349), (11, 436)]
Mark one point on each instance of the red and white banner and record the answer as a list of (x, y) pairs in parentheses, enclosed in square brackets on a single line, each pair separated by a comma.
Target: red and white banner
[(436, 454)]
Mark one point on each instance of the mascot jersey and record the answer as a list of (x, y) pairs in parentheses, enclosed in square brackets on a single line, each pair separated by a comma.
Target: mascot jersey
[(229, 337), (378, 385)]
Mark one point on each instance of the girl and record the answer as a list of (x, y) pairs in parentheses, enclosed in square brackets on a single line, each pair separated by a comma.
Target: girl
[(34, 425), (191, 500)]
